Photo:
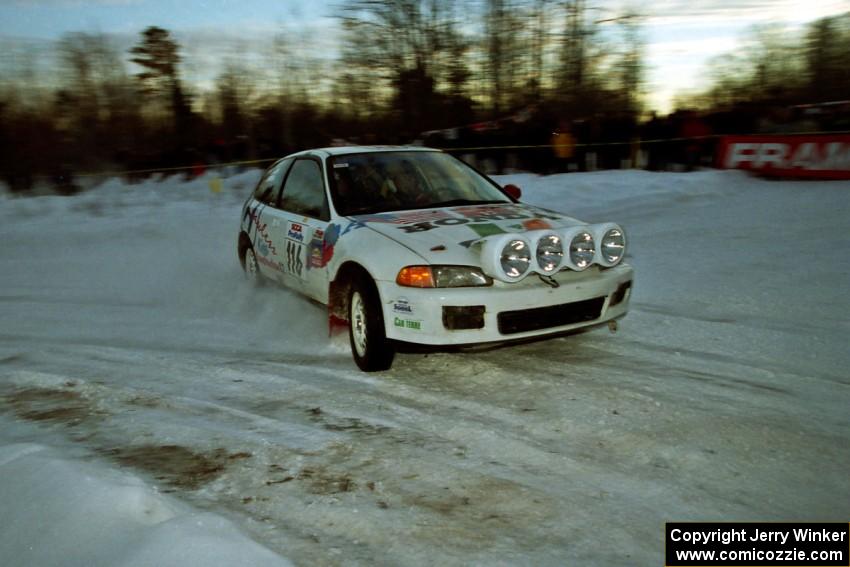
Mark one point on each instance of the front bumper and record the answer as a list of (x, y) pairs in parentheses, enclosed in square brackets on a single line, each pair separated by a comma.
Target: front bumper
[(526, 309)]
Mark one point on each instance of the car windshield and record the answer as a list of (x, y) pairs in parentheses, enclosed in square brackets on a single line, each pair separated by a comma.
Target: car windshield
[(381, 182)]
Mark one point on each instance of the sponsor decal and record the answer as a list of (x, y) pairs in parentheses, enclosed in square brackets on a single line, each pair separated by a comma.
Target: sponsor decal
[(486, 229), (328, 242), (483, 215), (324, 241), (535, 224), (332, 234), (426, 226), (418, 227), (317, 250), (422, 221), (407, 324), (277, 266), (261, 238), (294, 263), (813, 157), (315, 256), (329, 238), (405, 218), (295, 232), (353, 225), (403, 306)]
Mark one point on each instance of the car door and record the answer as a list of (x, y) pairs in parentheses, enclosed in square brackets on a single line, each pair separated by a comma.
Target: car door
[(260, 219), (303, 215)]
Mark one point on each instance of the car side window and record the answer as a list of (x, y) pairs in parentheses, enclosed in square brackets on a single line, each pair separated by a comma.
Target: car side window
[(268, 189), (304, 191)]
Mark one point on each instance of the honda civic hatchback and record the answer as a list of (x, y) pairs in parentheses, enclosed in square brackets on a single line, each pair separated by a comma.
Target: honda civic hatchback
[(411, 245)]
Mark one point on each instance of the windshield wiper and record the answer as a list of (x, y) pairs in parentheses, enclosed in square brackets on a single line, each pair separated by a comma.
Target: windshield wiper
[(450, 203), (457, 202), (363, 211)]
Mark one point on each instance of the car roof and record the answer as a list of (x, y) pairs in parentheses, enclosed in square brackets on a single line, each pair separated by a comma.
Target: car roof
[(345, 150)]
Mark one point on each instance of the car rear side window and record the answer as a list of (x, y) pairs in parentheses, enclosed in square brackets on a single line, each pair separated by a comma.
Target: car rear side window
[(268, 189), (304, 190)]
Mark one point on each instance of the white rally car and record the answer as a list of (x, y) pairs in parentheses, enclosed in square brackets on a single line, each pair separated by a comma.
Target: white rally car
[(411, 245)]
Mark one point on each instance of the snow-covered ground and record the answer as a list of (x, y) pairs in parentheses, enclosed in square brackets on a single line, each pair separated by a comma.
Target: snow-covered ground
[(152, 405)]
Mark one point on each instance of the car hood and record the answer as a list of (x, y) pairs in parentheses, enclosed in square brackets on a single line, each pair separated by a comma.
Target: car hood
[(447, 235)]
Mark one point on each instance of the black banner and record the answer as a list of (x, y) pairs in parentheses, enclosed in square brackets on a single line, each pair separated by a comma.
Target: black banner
[(759, 544)]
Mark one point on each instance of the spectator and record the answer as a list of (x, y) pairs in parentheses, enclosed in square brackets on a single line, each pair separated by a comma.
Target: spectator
[(563, 148)]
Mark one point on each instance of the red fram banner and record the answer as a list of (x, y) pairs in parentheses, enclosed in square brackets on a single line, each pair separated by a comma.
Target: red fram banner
[(821, 156)]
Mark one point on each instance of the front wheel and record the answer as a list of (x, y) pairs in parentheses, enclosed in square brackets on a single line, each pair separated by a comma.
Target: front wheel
[(369, 345)]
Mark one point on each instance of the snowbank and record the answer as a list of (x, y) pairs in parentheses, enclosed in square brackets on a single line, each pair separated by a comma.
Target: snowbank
[(63, 512)]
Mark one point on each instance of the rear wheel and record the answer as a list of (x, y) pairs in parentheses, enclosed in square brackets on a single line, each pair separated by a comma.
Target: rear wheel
[(252, 267), (370, 347)]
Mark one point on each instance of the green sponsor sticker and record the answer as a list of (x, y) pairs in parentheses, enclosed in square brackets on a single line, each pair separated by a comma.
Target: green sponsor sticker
[(486, 229), (407, 324)]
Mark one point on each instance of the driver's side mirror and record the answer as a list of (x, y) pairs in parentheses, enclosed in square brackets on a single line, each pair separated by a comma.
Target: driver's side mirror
[(513, 191)]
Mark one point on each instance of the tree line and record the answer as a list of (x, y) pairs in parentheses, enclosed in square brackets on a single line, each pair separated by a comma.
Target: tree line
[(390, 72)]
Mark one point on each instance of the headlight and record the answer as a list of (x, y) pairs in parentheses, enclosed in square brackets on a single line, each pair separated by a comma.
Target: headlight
[(549, 253), (442, 276), (516, 258), (459, 276), (612, 244), (582, 249)]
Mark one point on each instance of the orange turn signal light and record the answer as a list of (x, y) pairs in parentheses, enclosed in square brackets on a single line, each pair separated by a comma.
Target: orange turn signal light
[(415, 276)]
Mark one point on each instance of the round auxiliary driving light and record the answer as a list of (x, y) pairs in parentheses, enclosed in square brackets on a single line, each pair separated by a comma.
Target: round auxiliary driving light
[(612, 245), (582, 250), (516, 258), (549, 253)]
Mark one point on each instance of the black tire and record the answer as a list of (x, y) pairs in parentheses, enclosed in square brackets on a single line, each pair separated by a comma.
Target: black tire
[(371, 349), (252, 268)]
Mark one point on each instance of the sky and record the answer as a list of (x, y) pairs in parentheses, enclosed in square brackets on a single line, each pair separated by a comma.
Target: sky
[(681, 35)]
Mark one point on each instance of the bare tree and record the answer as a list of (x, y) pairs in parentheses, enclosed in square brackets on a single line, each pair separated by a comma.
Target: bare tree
[(630, 62), (95, 107), (576, 36), (401, 54), (827, 54)]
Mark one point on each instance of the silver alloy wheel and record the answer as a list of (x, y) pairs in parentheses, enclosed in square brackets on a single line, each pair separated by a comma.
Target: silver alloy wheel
[(252, 270), (358, 323)]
